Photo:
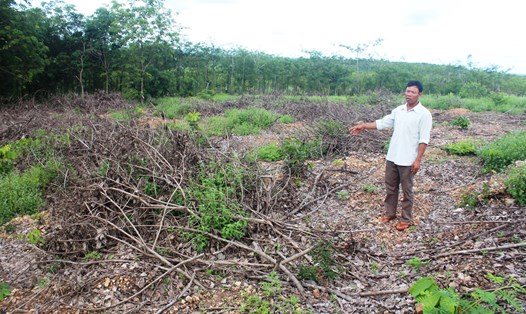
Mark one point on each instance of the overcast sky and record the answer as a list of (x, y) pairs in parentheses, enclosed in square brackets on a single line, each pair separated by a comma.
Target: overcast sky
[(432, 31)]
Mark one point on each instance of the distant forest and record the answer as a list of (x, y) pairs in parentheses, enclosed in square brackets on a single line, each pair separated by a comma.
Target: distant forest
[(137, 49)]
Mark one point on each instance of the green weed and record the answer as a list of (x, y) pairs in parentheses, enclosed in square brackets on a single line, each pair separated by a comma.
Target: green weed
[(343, 195), (463, 122), (269, 152), (436, 300), (213, 193), (416, 263), (463, 147), (516, 183), (92, 256), (504, 151), (21, 193), (324, 265), (34, 237), (370, 188), (5, 291)]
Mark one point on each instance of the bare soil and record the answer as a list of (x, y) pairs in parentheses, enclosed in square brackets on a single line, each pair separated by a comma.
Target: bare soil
[(458, 246)]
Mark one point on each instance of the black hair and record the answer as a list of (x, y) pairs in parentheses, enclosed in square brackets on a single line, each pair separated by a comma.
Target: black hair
[(418, 84)]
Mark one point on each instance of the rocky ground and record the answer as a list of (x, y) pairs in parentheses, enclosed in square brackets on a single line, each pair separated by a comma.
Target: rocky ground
[(458, 246)]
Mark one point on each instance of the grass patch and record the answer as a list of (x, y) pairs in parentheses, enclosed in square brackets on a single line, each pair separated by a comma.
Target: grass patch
[(463, 147), (504, 151), (21, 193)]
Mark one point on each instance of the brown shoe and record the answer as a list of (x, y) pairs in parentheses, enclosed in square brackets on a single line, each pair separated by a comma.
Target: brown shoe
[(386, 219), (401, 226)]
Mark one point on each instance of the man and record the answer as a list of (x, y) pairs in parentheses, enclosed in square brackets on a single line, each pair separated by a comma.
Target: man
[(411, 123)]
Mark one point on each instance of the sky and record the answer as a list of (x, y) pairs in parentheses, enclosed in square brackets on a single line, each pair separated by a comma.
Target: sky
[(482, 34)]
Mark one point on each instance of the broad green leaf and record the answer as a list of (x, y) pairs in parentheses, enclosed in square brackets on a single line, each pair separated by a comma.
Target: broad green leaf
[(421, 285)]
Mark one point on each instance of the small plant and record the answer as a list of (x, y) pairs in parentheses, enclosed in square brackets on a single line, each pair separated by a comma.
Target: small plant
[(324, 264), (370, 188), (462, 148), (92, 256), (416, 263), (286, 119), (193, 118), (516, 184), (375, 267), (34, 237), (475, 196), (270, 152), (276, 302), (436, 300), (5, 291), (343, 195), (463, 122), (213, 194), (504, 151), (7, 158), (42, 283)]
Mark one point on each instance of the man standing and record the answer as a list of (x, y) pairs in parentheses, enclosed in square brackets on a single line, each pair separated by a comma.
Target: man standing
[(411, 125)]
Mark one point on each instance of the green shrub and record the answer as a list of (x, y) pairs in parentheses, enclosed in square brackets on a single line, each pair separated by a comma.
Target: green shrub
[(516, 184), (296, 152), (21, 193), (286, 119), (172, 107), (462, 122), (463, 147), (256, 117), (7, 158), (213, 193), (324, 264), (269, 152), (436, 300), (504, 151)]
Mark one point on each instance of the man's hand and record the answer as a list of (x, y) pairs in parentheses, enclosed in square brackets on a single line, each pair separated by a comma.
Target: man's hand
[(357, 129), (415, 166)]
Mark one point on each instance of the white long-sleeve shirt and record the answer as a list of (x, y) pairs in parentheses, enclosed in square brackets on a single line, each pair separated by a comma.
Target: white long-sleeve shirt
[(410, 129)]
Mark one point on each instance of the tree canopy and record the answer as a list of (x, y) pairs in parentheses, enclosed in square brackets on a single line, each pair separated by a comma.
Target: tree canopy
[(136, 48)]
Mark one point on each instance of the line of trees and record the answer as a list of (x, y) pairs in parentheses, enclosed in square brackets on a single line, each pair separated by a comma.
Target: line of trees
[(136, 48)]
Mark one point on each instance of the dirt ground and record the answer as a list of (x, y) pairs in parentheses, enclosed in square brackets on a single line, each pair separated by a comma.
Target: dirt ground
[(458, 246)]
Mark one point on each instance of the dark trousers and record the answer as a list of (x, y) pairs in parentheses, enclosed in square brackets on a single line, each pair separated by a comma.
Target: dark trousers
[(394, 177)]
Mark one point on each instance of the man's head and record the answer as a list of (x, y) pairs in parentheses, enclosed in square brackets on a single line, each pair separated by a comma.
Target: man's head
[(413, 91), (418, 85)]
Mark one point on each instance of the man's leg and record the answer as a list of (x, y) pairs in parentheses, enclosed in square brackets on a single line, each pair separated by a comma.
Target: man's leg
[(392, 186), (406, 180)]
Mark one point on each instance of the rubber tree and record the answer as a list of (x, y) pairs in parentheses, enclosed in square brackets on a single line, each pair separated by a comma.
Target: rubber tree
[(143, 26)]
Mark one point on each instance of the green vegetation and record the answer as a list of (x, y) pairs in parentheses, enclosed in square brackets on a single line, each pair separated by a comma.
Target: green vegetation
[(5, 291), (343, 195), (463, 147), (416, 263), (135, 49), (463, 122), (21, 193), (436, 300), (272, 300), (213, 194), (504, 151), (297, 151), (92, 256), (369, 187), (269, 152), (324, 265), (34, 237), (516, 183)]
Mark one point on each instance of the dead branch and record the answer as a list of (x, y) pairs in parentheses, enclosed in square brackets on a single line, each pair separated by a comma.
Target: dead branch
[(493, 248)]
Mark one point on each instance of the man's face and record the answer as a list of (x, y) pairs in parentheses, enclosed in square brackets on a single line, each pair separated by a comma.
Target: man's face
[(412, 95)]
